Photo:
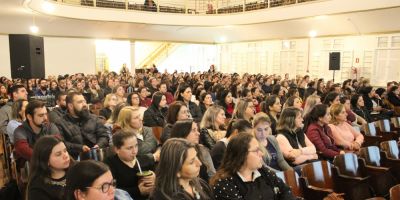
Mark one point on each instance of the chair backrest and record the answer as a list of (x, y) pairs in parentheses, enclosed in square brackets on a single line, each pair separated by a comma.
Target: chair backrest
[(396, 122), (157, 131), (384, 125), (98, 154), (347, 164), (291, 178), (371, 155), (357, 128), (370, 129), (318, 174), (395, 192), (391, 149)]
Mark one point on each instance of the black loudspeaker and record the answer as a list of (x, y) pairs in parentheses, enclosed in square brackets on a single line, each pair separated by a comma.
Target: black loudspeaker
[(26, 56), (334, 61)]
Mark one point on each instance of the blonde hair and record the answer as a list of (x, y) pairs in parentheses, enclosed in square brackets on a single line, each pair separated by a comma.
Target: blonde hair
[(259, 118), (335, 111), (125, 117), (311, 101), (107, 100), (210, 116)]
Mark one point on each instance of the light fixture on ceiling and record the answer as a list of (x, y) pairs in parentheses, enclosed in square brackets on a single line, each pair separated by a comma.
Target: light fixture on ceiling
[(286, 44), (48, 7), (312, 34), (222, 39), (321, 17), (34, 29)]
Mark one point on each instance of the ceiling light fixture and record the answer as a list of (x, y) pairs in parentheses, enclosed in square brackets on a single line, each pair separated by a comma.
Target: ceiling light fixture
[(48, 7), (312, 34), (34, 29)]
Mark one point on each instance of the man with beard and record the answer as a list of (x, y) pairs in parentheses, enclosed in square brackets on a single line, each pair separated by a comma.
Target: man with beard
[(58, 112), (35, 126), (62, 84), (80, 129), (17, 92), (42, 90)]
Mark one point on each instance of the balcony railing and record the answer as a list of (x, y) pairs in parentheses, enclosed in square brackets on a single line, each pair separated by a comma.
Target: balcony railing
[(186, 6)]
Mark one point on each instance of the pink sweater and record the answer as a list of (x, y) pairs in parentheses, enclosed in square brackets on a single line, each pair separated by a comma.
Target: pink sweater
[(344, 134)]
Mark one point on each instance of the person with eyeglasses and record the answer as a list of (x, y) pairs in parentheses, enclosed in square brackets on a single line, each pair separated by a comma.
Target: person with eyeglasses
[(49, 163), (242, 175), (90, 180)]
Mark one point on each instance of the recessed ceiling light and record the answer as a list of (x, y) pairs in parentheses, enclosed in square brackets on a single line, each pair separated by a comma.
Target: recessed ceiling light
[(34, 29), (222, 39), (312, 33), (48, 7)]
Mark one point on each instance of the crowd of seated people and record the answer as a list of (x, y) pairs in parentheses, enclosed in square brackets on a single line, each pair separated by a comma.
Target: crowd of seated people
[(220, 132)]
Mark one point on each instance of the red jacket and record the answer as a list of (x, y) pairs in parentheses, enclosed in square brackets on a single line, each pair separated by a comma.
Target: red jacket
[(322, 139)]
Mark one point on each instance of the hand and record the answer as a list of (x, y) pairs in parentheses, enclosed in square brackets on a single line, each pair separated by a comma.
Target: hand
[(85, 148), (96, 146), (156, 155), (144, 189), (342, 152)]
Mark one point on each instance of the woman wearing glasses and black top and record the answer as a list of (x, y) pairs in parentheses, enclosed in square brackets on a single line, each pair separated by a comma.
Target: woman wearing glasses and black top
[(90, 180)]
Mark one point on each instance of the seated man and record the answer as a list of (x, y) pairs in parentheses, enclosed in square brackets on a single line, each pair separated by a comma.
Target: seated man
[(18, 92), (80, 129), (58, 112), (35, 126)]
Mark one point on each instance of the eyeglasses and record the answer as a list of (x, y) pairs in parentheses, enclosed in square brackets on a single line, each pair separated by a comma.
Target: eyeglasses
[(106, 186), (255, 151)]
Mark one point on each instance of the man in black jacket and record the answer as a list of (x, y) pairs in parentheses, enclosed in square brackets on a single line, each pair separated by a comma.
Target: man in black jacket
[(80, 129)]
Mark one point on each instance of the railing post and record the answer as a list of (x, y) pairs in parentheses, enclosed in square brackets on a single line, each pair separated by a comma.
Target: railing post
[(126, 4), (269, 3), (216, 7), (186, 6), (94, 3), (158, 5), (244, 5)]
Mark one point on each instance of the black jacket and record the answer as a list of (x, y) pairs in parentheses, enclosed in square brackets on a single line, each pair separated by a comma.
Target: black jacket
[(154, 117), (206, 139), (195, 112), (77, 133)]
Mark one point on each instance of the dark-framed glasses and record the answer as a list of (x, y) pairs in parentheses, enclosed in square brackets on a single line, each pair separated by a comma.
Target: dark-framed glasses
[(105, 187)]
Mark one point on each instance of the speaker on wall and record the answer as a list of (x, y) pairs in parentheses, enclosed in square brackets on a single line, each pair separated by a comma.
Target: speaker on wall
[(334, 61), (26, 56)]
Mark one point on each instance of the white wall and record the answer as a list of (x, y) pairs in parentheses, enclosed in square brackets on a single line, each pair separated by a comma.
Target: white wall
[(69, 55), (5, 66)]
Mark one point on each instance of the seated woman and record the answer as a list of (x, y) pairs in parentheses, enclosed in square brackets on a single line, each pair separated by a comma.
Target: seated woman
[(17, 117), (352, 118), (155, 114), (177, 111), (89, 180), (119, 92), (343, 133), (393, 96), (212, 126), (180, 179), (187, 129), (319, 133), (294, 144), (357, 105), (108, 106), (235, 127), (49, 163), (126, 164), (310, 102), (244, 109), (272, 107), (129, 120), (272, 155), (133, 100), (225, 100), (242, 175), (185, 95), (293, 101), (205, 101)]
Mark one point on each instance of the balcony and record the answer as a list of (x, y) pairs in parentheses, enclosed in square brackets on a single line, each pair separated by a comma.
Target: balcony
[(197, 7)]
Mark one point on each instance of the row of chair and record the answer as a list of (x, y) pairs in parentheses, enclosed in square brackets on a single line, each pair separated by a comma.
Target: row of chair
[(374, 173)]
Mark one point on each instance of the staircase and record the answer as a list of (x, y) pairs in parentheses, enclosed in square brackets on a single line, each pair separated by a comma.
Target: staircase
[(158, 55)]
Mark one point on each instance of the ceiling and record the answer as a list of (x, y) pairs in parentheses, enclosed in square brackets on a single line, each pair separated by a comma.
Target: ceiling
[(16, 19)]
